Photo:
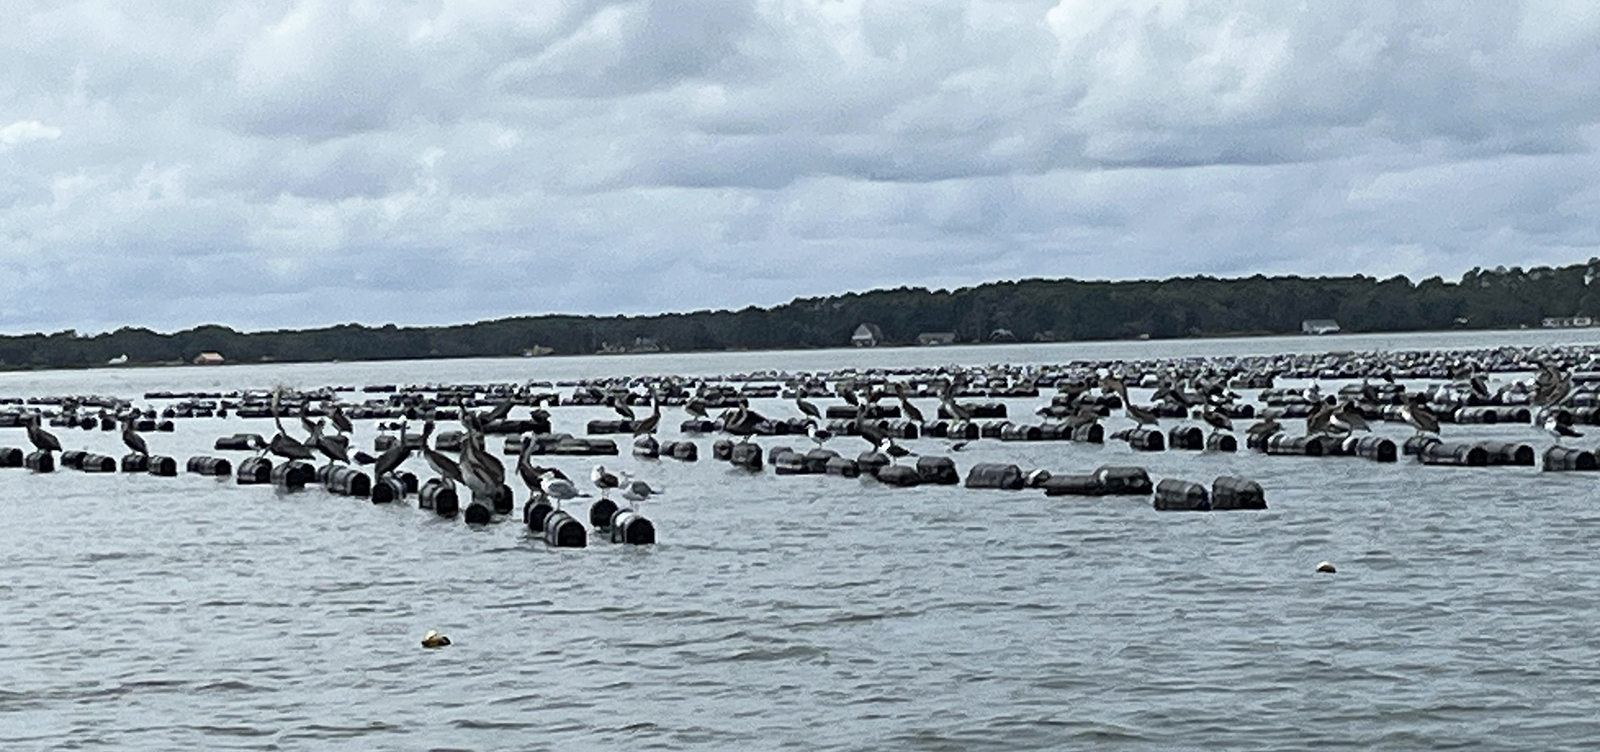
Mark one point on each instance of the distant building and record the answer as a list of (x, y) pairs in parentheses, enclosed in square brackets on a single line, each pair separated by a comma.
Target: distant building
[(1568, 322), (1002, 335), (1319, 326), (208, 358), (117, 361), (936, 338), (867, 335)]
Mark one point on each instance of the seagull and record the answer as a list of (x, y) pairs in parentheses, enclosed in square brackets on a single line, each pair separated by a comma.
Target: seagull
[(817, 433), (1557, 428), (636, 491), (558, 488), (893, 450)]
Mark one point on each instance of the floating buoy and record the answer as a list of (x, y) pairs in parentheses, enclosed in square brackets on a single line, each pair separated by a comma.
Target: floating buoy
[(1326, 567)]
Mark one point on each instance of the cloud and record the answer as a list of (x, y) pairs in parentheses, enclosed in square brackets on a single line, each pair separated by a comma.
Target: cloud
[(302, 162)]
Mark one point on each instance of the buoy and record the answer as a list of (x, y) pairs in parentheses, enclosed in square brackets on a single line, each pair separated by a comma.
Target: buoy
[(630, 527), (1326, 567), (601, 512), (440, 497), (251, 471), (938, 470), (1174, 495), (995, 475), (477, 514), (434, 640), (1236, 493)]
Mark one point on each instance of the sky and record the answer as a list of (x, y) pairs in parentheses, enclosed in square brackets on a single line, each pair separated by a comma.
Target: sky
[(291, 164)]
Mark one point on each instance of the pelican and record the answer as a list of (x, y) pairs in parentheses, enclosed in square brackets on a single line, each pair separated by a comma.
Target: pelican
[(133, 440), (1217, 420), (649, 424), (441, 464), (341, 422), (282, 444), (603, 480), (742, 421), (696, 407), (1265, 427), (1140, 415), (1417, 414), (1348, 418), (909, 410), (1551, 386), (393, 457), (807, 408), (43, 440), (621, 407)]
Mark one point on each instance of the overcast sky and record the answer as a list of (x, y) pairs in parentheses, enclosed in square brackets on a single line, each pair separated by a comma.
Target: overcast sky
[(264, 164)]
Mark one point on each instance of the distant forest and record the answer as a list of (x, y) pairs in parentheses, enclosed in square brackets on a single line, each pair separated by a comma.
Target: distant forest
[(1028, 310)]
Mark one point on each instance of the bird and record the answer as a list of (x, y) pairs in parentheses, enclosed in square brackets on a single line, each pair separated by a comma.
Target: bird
[(807, 408), (696, 407), (636, 491), (1264, 427), (441, 464), (893, 450), (649, 424), (1551, 385), (603, 479), (133, 440), (1417, 414), (1556, 427), (621, 407), (1140, 415), (959, 445), (1347, 417), (817, 433), (391, 458), (558, 488), (1114, 385), (43, 440), (742, 421), (341, 422), (1217, 420), (282, 444)]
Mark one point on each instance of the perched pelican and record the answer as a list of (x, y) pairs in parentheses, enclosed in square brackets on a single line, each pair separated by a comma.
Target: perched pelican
[(807, 408), (43, 440), (603, 479), (1417, 414), (441, 464), (393, 457), (1140, 415), (133, 440), (282, 444), (621, 407), (1551, 386), (649, 424), (696, 407), (1265, 427), (1217, 420), (1347, 417), (742, 421), (341, 422)]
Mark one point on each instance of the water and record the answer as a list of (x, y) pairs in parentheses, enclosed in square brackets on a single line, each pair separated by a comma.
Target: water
[(801, 612)]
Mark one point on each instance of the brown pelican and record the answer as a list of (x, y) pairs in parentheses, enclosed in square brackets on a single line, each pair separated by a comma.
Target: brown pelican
[(807, 408), (1417, 414), (906, 408), (282, 444), (133, 440), (1216, 419), (696, 407), (43, 440), (393, 457), (1140, 415), (742, 421), (651, 422), (621, 407), (1265, 427), (341, 422), (1347, 417), (442, 465), (1551, 386)]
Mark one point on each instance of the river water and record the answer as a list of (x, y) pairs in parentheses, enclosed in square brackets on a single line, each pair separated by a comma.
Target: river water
[(802, 612)]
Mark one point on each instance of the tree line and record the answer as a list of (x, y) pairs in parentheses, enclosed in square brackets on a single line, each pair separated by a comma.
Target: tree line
[(1027, 310)]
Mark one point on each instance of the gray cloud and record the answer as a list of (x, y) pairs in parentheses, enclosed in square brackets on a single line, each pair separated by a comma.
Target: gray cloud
[(313, 162)]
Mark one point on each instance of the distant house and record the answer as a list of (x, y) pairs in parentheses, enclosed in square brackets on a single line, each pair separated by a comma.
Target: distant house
[(867, 335), (936, 338), (1002, 335), (1568, 322), (208, 358), (1319, 326)]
